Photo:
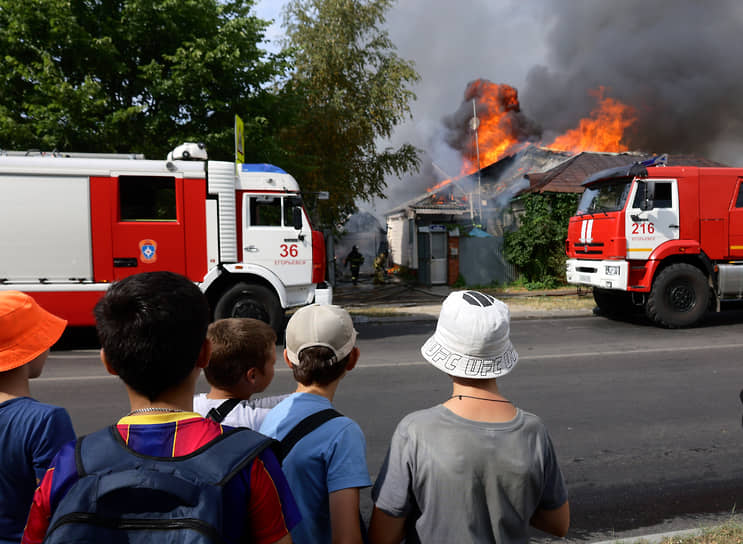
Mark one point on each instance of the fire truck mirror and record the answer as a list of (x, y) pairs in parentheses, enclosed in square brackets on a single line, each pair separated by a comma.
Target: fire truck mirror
[(648, 188), (297, 217)]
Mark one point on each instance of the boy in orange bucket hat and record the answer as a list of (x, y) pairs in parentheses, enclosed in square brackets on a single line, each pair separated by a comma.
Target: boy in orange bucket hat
[(31, 432)]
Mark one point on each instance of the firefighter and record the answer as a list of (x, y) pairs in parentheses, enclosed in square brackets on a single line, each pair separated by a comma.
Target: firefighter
[(379, 272), (354, 259)]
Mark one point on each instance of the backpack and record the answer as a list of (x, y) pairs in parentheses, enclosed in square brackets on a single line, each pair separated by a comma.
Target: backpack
[(123, 496)]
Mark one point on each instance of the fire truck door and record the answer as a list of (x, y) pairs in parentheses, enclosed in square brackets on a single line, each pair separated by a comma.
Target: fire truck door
[(148, 233), (736, 224), (646, 229), (271, 240)]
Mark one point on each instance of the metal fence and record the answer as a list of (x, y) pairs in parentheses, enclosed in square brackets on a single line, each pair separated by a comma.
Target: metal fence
[(482, 263)]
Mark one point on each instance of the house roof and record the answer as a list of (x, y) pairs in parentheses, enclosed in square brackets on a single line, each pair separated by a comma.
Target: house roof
[(568, 176)]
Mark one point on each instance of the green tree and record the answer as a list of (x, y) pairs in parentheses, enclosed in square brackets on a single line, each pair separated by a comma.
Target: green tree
[(537, 248), (133, 75), (347, 92)]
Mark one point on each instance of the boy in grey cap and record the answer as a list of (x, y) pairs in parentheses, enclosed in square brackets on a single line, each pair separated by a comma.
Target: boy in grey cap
[(475, 468), (327, 466)]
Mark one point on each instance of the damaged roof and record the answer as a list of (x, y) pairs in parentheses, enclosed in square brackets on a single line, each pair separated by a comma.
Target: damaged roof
[(569, 176)]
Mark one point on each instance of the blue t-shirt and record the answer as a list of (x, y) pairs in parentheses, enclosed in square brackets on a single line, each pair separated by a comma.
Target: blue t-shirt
[(31, 432), (331, 458)]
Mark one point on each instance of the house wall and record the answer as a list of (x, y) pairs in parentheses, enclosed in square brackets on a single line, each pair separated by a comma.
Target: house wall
[(481, 261)]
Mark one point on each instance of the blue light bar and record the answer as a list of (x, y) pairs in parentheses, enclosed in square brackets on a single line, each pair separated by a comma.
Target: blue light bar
[(262, 167)]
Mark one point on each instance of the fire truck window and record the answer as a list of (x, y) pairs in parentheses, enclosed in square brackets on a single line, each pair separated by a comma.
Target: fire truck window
[(663, 197), (739, 201), (265, 211), (147, 198)]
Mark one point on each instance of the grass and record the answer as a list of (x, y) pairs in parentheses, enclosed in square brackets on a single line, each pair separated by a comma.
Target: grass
[(728, 533)]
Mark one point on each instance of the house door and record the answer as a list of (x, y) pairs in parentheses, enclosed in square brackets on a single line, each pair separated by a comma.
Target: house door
[(439, 265), (424, 258)]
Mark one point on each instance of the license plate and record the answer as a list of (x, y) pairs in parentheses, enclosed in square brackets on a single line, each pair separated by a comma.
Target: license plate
[(584, 278)]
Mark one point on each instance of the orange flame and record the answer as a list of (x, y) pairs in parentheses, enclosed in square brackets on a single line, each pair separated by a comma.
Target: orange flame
[(497, 133), (496, 105), (603, 131)]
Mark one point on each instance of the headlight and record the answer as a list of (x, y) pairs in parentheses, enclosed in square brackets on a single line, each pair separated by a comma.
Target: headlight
[(612, 270)]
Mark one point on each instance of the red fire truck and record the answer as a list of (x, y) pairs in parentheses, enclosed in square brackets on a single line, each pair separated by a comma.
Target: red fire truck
[(666, 240), (71, 224)]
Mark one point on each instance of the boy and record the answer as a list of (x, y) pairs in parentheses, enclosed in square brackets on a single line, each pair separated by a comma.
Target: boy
[(152, 328), (30, 432), (241, 364), (475, 468), (327, 467)]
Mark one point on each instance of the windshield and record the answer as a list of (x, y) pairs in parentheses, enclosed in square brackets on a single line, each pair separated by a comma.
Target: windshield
[(604, 197)]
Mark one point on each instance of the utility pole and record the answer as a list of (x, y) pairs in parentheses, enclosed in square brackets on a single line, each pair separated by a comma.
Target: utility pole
[(474, 125)]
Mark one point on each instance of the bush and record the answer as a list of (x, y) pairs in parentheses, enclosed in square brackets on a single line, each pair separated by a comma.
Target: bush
[(537, 248)]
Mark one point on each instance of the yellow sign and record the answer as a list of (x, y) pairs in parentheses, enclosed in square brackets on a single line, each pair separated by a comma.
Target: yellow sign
[(239, 140)]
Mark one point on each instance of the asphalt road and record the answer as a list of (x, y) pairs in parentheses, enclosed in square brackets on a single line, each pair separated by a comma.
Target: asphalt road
[(646, 421)]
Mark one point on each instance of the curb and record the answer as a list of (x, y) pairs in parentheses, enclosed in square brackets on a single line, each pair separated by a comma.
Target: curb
[(657, 537), (515, 316)]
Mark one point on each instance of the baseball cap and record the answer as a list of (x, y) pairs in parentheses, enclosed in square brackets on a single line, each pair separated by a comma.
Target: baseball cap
[(320, 325), (472, 337), (26, 329)]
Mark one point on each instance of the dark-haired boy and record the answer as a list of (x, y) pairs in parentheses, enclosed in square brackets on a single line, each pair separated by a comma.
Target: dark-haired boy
[(327, 467), (241, 364), (152, 329)]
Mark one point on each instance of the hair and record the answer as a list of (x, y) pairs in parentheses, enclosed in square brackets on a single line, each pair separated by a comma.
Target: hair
[(318, 365), (152, 327), (238, 344)]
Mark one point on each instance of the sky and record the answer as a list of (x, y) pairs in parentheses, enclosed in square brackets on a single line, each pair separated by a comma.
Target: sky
[(675, 62)]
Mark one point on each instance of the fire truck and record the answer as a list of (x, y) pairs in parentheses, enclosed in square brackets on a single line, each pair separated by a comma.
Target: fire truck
[(71, 224), (660, 239)]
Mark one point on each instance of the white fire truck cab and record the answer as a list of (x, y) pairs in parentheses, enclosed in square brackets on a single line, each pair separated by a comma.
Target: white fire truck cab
[(71, 224)]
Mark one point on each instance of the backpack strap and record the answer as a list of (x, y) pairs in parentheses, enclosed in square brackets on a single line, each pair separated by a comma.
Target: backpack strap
[(220, 412), (302, 429)]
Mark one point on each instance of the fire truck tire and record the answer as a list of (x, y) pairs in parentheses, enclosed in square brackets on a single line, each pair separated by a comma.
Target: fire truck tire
[(250, 300), (679, 298), (613, 303)]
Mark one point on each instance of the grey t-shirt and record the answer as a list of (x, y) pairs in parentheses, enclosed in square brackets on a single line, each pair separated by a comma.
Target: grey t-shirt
[(459, 480)]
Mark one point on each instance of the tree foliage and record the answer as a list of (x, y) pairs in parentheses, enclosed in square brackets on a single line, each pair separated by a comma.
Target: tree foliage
[(537, 248), (132, 75), (348, 90)]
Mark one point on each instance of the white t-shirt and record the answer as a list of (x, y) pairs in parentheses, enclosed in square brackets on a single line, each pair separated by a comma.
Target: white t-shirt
[(247, 413)]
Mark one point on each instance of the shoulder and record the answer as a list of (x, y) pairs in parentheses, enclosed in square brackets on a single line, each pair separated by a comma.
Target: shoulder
[(420, 419)]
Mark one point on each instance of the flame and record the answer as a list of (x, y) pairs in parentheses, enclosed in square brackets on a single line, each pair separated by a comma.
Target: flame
[(603, 131), (496, 131), (499, 128)]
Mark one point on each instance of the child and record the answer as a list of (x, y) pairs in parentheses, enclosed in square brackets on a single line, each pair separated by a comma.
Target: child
[(152, 328), (475, 468), (241, 364), (327, 467), (30, 432)]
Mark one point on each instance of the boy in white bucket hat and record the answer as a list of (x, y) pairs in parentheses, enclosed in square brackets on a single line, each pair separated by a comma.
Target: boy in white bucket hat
[(326, 467), (475, 468)]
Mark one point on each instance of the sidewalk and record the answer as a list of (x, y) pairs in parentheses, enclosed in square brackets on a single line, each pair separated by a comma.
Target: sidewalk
[(398, 301)]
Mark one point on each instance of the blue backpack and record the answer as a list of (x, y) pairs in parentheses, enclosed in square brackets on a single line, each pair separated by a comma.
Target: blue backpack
[(122, 496)]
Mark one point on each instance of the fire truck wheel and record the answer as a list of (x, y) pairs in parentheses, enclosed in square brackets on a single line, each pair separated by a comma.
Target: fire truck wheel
[(250, 300), (680, 296), (613, 303)]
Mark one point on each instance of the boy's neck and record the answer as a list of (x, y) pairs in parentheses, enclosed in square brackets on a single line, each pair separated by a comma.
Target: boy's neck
[(14, 383), (327, 391), (217, 393)]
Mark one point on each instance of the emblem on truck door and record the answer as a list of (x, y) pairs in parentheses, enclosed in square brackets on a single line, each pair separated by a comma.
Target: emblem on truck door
[(148, 251)]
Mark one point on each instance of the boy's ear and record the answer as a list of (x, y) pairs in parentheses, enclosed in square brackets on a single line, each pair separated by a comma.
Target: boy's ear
[(286, 359), (204, 354), (107, 365), (353, 358), (250, 374)]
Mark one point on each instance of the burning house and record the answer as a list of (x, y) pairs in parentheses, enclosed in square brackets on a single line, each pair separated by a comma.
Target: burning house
[(456, 227)]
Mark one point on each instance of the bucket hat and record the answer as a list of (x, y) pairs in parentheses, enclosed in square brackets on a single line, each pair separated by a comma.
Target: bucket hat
[(26, 329), (472, 337), (323, 325)]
